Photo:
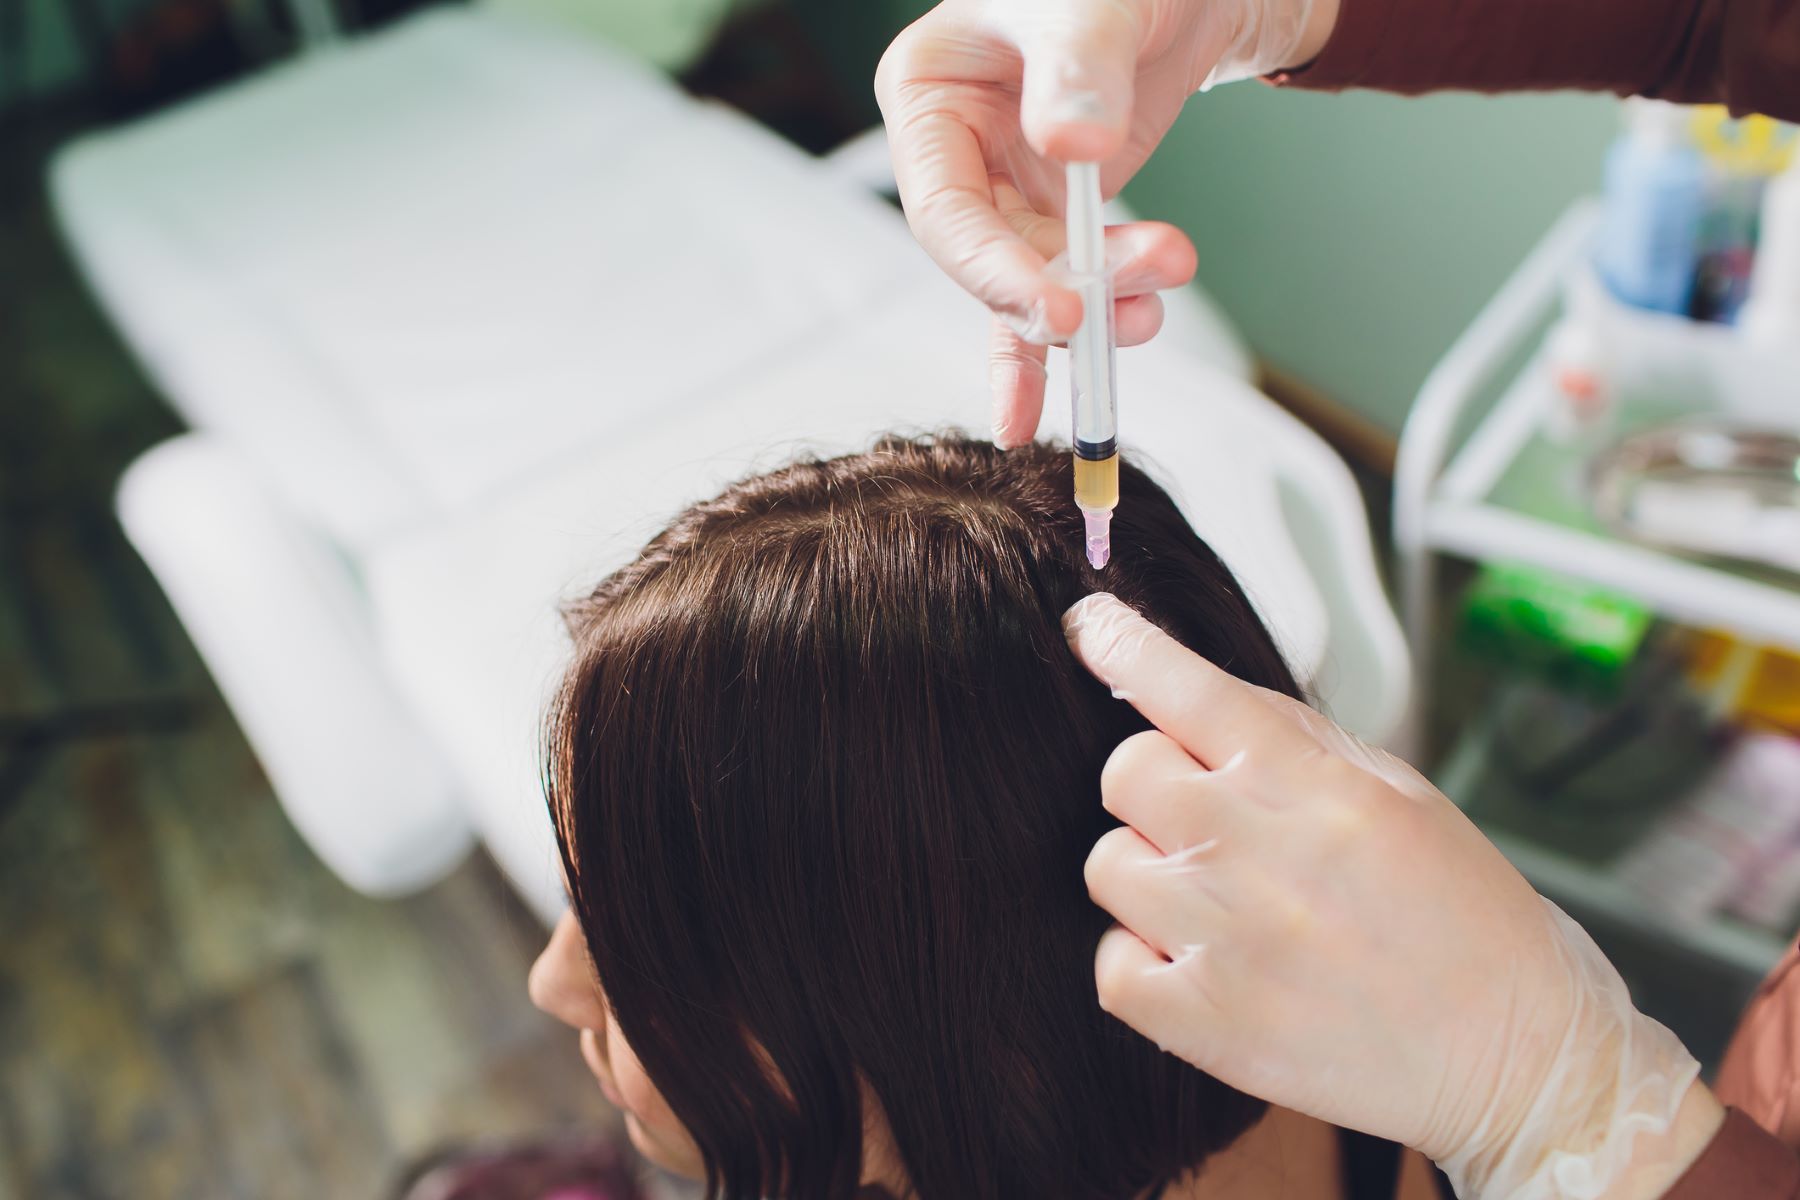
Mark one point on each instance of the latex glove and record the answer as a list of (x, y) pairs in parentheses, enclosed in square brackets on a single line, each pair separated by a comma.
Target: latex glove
[(979, 92), (1309, 920)]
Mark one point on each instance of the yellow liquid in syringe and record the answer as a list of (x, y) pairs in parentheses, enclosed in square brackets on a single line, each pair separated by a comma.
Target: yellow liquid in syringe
[(1097, 482)]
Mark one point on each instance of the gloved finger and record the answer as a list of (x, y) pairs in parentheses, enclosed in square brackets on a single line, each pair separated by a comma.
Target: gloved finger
[(1121, 961), (1016, 367), (1136, 319), (1149, 256), (1144, 256), (1214, 715), (1154, 786), (943, 183), (1080, 72), (1154, 994), (1168, 903), (1016, 378)]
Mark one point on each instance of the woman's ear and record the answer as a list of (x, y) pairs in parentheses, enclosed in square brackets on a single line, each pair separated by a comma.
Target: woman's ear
[(883, 1172)]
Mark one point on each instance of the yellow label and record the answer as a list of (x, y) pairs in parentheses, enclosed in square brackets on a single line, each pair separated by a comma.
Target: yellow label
[(1753, 145)]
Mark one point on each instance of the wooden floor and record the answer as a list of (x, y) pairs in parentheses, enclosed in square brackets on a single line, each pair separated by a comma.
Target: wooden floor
[(190, 1005)]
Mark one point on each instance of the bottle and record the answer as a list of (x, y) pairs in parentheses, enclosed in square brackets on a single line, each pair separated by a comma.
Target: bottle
[(1727, 248), (1582, 407), (1771, 317), (1741, 155), (1649, 233)]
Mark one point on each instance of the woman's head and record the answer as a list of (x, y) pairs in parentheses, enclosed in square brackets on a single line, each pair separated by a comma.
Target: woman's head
[(824, 775)]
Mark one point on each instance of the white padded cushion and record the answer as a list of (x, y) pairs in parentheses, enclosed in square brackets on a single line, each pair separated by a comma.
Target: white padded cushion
[(404, 272), (468, 611)]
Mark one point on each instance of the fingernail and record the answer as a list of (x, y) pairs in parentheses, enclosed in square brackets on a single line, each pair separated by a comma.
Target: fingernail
[(1079, 105), (1008, 430), (1084, 611), (1005, 426)]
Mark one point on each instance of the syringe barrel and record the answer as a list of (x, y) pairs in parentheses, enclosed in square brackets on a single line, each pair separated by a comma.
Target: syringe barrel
[(1094, 423), (1095, 418)]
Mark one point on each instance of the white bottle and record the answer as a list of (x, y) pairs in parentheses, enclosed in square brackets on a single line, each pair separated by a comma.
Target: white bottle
[(1771, 316), (1582, 405)]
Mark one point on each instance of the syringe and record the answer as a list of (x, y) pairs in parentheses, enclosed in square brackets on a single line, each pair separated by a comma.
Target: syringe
[(1094, 426)]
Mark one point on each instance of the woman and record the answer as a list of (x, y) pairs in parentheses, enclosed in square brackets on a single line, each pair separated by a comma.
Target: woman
[(824, 776)]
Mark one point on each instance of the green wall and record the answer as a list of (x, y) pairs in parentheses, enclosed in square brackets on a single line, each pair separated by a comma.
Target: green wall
[(1351, 237)]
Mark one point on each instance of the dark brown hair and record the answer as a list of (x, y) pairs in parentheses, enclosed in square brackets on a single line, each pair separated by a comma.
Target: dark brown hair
[(824, 774)]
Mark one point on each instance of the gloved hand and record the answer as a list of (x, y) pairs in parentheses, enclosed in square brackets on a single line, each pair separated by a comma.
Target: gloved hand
[(984, 101), (1309, 920)]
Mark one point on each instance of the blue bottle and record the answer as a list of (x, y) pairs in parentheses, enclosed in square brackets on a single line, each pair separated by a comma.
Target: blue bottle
[(1647, 249)]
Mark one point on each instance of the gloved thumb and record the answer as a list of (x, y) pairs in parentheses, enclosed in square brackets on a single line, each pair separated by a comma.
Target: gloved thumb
[(1080, 62)]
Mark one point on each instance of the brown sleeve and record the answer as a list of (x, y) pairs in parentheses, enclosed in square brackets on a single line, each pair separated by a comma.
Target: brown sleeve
[(1761, 1071), (1744, 53), (1743, 1162)]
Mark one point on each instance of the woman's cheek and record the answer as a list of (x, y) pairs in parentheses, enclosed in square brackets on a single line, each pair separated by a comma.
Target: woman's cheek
[(664, 1139)]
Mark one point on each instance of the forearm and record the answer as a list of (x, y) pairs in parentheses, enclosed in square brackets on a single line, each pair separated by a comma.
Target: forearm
[(1744, 53)]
